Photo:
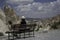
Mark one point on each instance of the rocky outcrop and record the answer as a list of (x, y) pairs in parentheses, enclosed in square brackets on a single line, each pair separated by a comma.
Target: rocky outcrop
[(53, 22), (2, 16), (10, 14), (3, 26)]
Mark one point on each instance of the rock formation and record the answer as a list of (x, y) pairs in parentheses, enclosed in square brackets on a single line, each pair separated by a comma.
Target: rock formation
[(10, 14), (3, 26)]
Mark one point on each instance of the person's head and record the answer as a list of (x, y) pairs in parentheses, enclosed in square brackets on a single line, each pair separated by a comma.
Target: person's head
[(23, 17)]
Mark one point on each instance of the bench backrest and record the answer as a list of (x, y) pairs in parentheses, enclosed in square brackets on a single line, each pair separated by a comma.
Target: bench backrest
[(17, 26)]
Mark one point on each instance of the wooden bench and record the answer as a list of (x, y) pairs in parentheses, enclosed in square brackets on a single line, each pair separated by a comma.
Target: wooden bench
[(22, 29)]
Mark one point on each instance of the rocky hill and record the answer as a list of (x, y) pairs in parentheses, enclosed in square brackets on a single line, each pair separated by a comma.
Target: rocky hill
[(3, 26), (10, 14), (53, 21), (7, 14)]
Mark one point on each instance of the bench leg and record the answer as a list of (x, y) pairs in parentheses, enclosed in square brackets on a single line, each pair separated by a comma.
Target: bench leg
[(13, 37), (20, 35), (33, 34), (29, 34), (8, 36), (24, 34)]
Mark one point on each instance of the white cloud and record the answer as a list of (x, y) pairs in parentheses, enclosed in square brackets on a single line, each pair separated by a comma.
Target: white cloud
[(19, 1), (25, 9), (37, 9), (40, 8)]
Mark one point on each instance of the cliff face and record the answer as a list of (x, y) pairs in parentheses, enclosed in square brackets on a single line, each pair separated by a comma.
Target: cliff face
[(6, 15), (10, 14), (3, 26), (2, 16)]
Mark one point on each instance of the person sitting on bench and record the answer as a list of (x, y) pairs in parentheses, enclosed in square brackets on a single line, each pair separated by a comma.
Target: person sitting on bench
[(23, 22)]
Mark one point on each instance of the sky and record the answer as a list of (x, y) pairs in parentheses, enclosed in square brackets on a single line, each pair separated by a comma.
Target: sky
[(34, 8), (43, 1)]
